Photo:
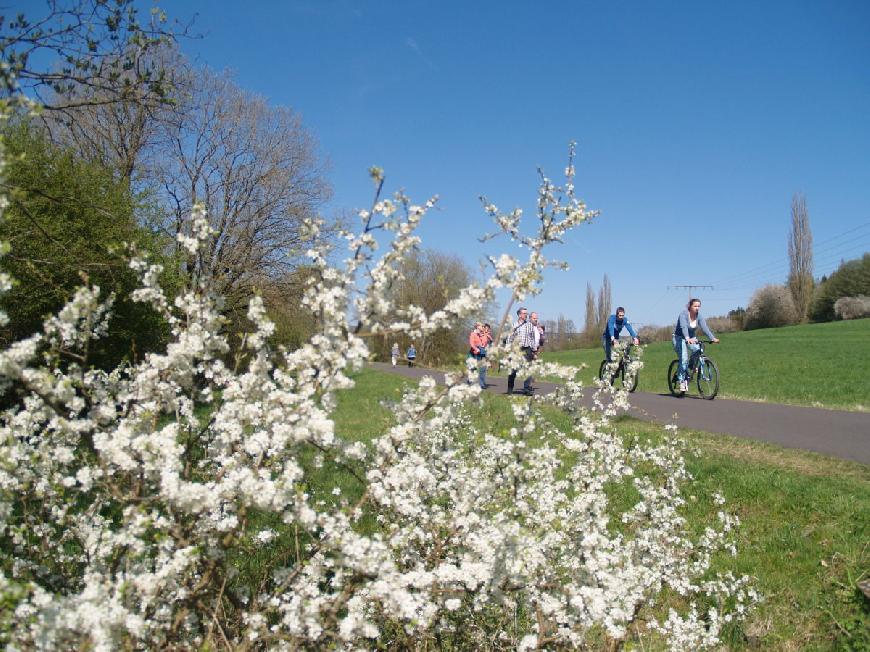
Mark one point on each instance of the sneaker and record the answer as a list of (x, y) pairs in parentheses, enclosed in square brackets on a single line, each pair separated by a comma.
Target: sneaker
[(684, 386)]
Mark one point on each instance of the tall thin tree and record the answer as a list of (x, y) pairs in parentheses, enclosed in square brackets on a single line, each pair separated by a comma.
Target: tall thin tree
[(800, 256), (591, 314), (605, 301)]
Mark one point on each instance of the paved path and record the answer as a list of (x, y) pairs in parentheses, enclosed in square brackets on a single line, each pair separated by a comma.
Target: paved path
[(831, 432)]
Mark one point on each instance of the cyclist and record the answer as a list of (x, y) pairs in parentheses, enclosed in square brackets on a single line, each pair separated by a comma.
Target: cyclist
[(615, 324), (684, 337)]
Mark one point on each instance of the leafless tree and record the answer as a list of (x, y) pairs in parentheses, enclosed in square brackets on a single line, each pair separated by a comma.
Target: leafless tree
[(561, 333), (800, 255), (430, 279), (125, 134), (591, 322), (255, 168), (93, 50), (604, 303)]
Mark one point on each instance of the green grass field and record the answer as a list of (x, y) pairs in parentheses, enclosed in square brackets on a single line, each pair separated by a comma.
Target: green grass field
[(805, 521), (820, 365)]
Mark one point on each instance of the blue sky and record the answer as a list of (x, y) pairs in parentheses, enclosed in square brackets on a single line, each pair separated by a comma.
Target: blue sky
[(696, 123)]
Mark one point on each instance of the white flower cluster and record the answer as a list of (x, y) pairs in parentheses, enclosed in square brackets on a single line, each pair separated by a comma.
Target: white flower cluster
[(130, 500)]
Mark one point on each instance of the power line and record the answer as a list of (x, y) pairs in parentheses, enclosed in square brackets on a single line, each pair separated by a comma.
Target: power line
[(820, 248), (826, 263), (690, 287), (821, 259)]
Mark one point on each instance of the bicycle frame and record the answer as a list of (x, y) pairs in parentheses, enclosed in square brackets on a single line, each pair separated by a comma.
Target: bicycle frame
[(700, 366), (620, 369)]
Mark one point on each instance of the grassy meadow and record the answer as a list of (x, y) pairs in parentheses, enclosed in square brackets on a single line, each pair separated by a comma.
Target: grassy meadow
[(805, 520), (819, 365)]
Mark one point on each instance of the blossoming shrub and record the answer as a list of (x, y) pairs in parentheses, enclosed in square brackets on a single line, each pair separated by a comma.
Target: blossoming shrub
[(770, 307), (852, 307), (132, 501)]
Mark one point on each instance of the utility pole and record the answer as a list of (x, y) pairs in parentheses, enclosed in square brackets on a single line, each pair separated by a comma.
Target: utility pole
[(691, 288)]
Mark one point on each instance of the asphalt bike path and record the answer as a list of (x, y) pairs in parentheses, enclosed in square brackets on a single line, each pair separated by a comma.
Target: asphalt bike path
[(831, 432)]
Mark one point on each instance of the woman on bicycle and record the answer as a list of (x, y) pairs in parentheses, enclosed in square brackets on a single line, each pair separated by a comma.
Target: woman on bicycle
[(615, 324), (684, 337)]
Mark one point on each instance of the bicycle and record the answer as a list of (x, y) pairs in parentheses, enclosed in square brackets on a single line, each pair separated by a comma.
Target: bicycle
[(703, 367), (620, 372)]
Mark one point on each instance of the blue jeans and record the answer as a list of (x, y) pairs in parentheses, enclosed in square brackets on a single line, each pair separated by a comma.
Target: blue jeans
[(605, 342), (683, 350), (481, 368), (527, 383)]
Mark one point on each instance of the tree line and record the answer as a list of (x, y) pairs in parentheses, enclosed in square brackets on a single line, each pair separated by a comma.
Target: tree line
[(111, 144), (130, 134), (122, 138)]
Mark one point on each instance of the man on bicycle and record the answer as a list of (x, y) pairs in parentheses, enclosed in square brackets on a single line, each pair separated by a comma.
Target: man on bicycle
[(615, 324)]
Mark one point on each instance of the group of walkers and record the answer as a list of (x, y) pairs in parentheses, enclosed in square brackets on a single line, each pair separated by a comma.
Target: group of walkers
[(479, 342), (410, 354), (684, 338), (530, 335), (527, 332)]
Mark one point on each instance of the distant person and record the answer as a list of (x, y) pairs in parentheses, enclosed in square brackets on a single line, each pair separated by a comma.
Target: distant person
[(477, 343), (523, 332), (615, 323), (394, 353), (540, 337), (538, 334), (411, 355), (684, 338)]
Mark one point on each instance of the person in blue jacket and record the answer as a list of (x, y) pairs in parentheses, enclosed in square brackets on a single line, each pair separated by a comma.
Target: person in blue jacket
[(684, 338), (615, 324)]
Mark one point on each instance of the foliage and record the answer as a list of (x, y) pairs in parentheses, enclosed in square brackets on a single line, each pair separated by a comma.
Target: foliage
[(851, 279), (738, 318), (852, 307), (68, 218), (294, 323), (128, 498), (770, 306)]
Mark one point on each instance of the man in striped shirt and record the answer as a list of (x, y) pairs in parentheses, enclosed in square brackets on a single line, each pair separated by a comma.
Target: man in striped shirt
[(524, 333)]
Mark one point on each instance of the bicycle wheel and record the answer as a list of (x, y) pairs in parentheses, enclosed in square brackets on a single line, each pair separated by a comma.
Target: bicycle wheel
[(624, 379), (708, 378), (602, 369), (673, 383)]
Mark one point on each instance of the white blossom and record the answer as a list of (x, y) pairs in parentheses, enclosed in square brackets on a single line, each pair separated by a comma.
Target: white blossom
[(130, 500)]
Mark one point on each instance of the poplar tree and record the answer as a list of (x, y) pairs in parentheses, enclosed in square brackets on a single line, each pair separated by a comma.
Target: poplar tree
[(800, 256)]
